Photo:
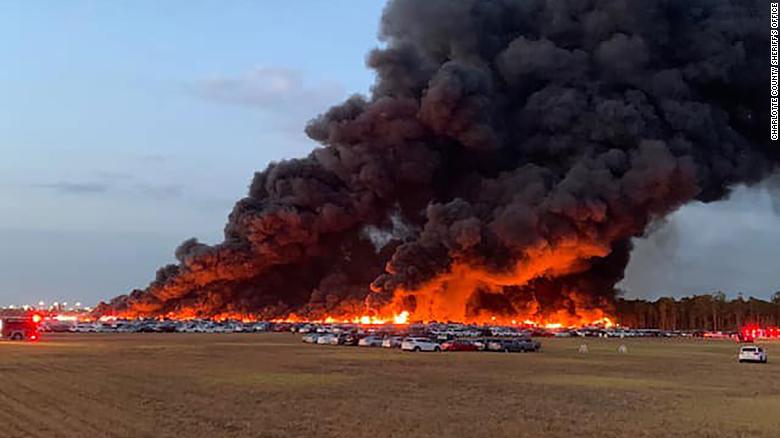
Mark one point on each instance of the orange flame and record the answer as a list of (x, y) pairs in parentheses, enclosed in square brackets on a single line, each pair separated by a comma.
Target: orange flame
[(447, 297)]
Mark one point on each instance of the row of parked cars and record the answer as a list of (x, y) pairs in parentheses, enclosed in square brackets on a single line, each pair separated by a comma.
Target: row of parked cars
[(456, 330), (160, 326), (419, 343), (622, 332), (440, 331)]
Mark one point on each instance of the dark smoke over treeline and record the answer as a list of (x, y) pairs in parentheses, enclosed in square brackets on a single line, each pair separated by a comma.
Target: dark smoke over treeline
[(508, 153)]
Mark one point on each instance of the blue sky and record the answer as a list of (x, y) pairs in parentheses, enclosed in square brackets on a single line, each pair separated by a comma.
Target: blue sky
[(127, 127)]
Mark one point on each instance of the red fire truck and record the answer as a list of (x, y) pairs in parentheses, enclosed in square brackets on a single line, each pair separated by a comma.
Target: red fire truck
[(19, 327)]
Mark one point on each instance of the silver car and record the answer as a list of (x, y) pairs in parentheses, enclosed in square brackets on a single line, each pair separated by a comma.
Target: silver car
[(327, 339), (370, 341), (392, 342), (310, 338)]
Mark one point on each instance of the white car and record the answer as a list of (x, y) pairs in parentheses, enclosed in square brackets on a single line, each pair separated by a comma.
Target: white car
[(392, 342), (752, 353), (105, 328), (327, 339), (85, 328), (310, 338), (420, 344), (370, 341), (260, 327)]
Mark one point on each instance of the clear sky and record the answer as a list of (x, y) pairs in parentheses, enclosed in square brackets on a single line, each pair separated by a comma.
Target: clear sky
[(127, 127)]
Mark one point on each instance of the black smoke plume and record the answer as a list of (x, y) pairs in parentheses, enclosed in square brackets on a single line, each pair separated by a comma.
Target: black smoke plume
[(517, 143)]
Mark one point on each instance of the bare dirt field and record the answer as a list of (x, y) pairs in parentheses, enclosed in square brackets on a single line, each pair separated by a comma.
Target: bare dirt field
[(272, 385)]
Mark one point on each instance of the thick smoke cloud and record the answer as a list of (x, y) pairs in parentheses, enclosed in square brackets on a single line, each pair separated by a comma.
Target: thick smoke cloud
[(520, 145)]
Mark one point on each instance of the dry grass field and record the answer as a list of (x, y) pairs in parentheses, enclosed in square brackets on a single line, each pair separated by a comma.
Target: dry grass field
[(272, 385)]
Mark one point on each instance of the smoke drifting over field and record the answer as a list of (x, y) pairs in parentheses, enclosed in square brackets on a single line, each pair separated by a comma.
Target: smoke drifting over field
[(508, 153)]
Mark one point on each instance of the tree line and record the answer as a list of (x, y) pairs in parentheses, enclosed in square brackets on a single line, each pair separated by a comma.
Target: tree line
[(699, 312)]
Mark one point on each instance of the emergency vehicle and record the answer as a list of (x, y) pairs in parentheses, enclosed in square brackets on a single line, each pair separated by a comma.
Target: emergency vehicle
[(19, 327)]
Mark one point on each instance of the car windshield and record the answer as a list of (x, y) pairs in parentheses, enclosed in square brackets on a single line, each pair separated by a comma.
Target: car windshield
[(748, 349)]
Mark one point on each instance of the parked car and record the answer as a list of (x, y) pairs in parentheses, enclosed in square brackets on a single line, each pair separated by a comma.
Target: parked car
[(542, 333), (392, 342), (167, 327), (148, 327), (458, 345), (528, 344), (260, 327), (84, 327), (339, 339), (481, 344), (370, 341), (420, 344), (752, 353), (327, 339), (310, 338), (219, 327), (494, 344), (105, 328), (350, 339), (513, 345)]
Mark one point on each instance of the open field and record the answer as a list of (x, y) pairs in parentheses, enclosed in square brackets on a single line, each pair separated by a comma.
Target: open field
[(269, 385)]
